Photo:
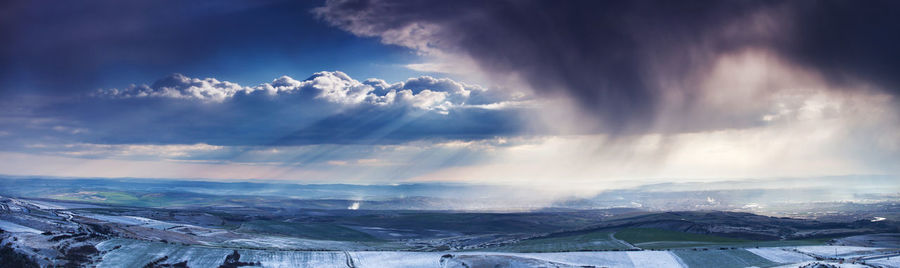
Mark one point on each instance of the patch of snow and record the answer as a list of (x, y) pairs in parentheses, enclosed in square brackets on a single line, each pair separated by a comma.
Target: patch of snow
[(780, 255), (59, 205), (654, 259), (268, 258), (612, 259), (887, 262), (604, 258), (396, 259), (842, 265), (135, 253), (837, 251), (277, 242), (135, 220), (15, 228)]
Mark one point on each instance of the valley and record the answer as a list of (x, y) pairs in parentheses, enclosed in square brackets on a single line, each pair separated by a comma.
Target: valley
[(68, 233)]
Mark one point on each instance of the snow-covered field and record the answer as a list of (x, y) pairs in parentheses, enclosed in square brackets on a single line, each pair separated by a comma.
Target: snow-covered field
[(838, 251), (607, 258), (15, 228), (396, 259), (780, 255), (490, 260), (604, 258), (842, 265), (654, 259), (134, 220), (276, 242), (135, 253), (324, 259), (886, 262), (59, 205)]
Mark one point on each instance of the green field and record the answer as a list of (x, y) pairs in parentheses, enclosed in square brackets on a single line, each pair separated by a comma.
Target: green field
[(650, 238), (580, 242), (736, 258), (644, 235), (138, 200), (99, 197), (135, 253), (646, 238), (322, 231)]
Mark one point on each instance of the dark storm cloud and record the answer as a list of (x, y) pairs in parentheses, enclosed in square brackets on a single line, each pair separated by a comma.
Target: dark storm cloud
[(847, 40), (616, 58)]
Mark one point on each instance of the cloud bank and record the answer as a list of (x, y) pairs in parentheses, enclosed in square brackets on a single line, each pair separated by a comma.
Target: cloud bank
[(425, 93), (597, 94), (621, 61), (326, 108)]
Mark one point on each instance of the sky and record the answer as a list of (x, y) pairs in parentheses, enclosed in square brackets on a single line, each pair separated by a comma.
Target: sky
[(568, 95)]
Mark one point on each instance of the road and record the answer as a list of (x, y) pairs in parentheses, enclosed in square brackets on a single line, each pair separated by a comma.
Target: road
[(623, 242), (350, 263)]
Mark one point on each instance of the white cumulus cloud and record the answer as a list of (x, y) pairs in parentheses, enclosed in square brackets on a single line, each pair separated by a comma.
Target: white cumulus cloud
[(425, 93)]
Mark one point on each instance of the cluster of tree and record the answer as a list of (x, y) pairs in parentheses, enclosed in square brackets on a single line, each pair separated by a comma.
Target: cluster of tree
[(159, 263), (10, 258), (233, 260)]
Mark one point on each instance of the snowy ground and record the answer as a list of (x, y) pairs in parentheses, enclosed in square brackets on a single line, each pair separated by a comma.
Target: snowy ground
[(607, 258), (654, 259), (886, 262), (432, 259), (276, 242), (842, 265), (780, 255), (15, 228), (396, 259), (324, 259), (839, 251), (60, 205), (135, 253), (134, 220), (490, 260)]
